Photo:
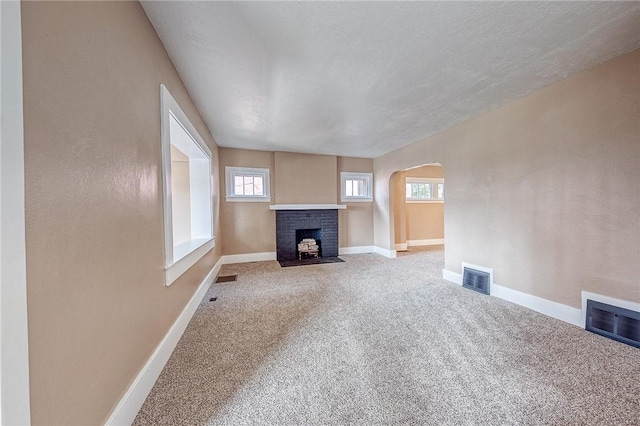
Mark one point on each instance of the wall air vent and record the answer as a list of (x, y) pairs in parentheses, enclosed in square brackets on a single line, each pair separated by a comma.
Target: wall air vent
[(613, 322), (476, 280)]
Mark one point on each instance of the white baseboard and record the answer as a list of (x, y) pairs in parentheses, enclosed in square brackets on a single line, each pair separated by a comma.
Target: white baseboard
[(453, 277), (401, 247), (544, 306), (431, 242), (385, 252), (356, 250), (626, 304), (128, 407), (550, 308), (248, 257), (261, 257)]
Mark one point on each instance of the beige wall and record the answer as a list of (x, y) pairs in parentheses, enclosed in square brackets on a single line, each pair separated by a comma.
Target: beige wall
[(97, 303), (249, 227), (416, 221), (545, 190), (398, 205), (425, 221), (305, 178)]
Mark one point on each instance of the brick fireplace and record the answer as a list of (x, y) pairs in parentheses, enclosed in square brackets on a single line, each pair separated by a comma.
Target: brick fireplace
[(295, 225)]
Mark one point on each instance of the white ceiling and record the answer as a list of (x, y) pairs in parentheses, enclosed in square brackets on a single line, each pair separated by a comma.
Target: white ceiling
[(362, 79)]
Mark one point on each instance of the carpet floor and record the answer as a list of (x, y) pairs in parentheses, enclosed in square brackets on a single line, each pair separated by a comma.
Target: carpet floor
[(384, 341)]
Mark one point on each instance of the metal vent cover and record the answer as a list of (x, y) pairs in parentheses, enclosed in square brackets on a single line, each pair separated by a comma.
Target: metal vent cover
[(226, 278), (476, 280), (613, 322)]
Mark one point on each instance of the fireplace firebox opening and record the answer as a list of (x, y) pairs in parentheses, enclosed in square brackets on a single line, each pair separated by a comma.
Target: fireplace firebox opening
[(308, 243)]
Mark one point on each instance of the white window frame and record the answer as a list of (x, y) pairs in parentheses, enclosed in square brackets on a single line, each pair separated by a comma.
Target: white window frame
[(14, 338), (179, 259), (231, 172), (432, 182), (367, 177)]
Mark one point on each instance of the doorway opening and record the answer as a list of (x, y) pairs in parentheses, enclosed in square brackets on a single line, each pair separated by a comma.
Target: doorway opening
[(419, 206)]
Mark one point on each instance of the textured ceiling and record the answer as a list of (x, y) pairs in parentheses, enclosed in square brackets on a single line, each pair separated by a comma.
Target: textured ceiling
[(362, 79)]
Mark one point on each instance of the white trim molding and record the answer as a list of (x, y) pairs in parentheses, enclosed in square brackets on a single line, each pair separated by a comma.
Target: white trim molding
[(272, 255), (231, 172), (547, 307), (391, 254), (550, 308), (367, 180), (184, 137), (174, 272), (128, 407), (433, 190), (452, 277), (248, 257), (307, 207), (356, 250), (247, 200), (430, 242), (14, 341), (356, 200), (625, 304), (401, 246)]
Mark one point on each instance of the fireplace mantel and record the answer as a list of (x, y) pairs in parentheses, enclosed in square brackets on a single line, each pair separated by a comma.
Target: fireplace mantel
[(307, 207)]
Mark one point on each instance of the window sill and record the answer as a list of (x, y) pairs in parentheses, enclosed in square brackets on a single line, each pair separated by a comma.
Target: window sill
[(424, 201), (187, 255), (356, 200), (248, 199)]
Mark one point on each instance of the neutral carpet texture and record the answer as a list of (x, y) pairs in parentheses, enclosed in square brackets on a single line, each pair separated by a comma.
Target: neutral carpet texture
[(384, 341)]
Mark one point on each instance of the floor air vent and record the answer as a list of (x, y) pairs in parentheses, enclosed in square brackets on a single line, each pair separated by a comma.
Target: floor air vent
[(476, 280), (613, 322), (226, 278)]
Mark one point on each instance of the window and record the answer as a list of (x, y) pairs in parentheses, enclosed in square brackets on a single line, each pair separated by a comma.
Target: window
[(424, 190), (188, 195), (247, 184), (356, 186)]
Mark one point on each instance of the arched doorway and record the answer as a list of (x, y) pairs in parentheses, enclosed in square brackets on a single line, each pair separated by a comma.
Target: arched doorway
[(418, 207)]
